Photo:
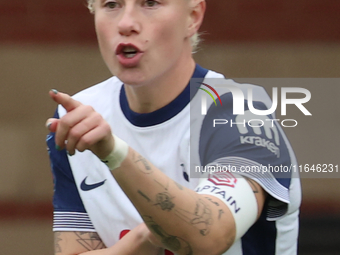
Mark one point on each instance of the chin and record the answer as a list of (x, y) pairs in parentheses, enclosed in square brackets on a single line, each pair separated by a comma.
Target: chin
[(129, 78)]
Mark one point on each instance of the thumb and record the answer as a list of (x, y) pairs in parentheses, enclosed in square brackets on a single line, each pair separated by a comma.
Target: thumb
[(52, 124), (64, 99)]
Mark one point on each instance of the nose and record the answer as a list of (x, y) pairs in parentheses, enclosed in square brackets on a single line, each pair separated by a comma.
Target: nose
[(128, 23)]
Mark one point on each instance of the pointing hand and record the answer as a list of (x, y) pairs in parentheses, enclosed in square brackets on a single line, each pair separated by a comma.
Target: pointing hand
[(81, 128)]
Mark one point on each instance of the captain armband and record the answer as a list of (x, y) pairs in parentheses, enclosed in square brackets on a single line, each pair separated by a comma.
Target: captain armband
[(117, 155), (237, 194)]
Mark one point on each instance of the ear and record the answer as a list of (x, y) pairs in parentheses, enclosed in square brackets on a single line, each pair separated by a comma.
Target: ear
[(196, 16)]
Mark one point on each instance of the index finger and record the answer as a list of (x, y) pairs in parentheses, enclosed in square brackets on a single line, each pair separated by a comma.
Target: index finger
[(64, 99)]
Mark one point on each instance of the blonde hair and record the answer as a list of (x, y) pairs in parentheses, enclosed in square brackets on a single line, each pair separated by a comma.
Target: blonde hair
[(195, 39)]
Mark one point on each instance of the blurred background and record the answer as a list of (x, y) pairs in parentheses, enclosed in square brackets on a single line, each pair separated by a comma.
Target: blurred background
[(52, 44)]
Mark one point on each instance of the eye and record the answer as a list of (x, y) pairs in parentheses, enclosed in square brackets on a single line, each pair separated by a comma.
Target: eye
[(111, 5), (151, 3)]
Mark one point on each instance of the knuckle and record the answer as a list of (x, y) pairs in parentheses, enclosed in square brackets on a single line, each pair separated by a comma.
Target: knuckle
[(74, 133), (81, 149), (85, 142), (106, 128), (64, 121), (96, 117), (87, 108)]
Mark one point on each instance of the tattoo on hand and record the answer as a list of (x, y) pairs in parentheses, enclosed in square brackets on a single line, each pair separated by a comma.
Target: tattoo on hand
[(171, 242), (90, 241)]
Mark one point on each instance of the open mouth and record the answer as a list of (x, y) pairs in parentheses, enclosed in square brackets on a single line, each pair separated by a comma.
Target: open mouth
[(127, 50)]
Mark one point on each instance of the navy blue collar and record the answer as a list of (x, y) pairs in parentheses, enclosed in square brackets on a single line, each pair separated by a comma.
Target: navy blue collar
[(165, 113)]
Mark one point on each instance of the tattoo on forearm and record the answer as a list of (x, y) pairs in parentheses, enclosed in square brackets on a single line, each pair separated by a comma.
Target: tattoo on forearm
[(142, 164), (220, 212), (171, 242), (164, 200), (200, 218), (90, 241), (57, 239), (212, 201), (166, 186), (252, 185), (143, 195)]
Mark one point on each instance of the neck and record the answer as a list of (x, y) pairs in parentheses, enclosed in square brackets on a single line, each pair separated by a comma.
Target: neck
[(163, 89)]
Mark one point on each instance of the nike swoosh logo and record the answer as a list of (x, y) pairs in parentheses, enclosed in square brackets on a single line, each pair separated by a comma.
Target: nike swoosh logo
[(87, 187)]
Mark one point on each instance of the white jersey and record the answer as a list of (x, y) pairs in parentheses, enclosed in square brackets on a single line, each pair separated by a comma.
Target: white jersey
[(87, 197)]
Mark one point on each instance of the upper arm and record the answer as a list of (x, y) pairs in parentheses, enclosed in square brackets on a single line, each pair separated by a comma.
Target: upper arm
[(260, 195), (72, 243), (235, 148), (247, 149)]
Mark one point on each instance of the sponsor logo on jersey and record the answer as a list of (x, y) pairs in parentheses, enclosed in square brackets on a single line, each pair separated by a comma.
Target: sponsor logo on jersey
[(259, 125), (87, 187), (223, 179)]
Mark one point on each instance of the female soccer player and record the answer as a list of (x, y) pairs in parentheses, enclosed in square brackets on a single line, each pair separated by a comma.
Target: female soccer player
[(121, 151)]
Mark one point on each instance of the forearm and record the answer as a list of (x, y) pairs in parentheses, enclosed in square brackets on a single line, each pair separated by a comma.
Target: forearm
[(134, 242), (182, 220), (74, 243)]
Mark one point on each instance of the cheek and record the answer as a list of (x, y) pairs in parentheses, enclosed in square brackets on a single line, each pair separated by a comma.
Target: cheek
[(169, 37), (104, 36), (100, 31), (104, 30)]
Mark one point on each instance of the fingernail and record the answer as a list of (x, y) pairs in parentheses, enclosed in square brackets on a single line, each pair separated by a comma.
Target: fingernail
[(69, 153), (54, 91), (57, 147), (48, 125)]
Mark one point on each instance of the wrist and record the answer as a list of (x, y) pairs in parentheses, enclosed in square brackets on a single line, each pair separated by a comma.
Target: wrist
[(117, 155)]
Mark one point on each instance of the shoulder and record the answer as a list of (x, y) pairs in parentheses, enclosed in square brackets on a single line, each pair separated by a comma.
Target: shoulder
[(248, 143)]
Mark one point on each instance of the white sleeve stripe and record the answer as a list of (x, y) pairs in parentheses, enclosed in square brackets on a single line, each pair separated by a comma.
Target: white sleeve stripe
[(72, 225), (70, 213), (59, 229), (266, 180), (71, 221)]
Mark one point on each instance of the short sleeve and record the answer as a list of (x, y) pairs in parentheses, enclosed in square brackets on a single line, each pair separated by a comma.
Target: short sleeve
[(69, 210), (250, 145)]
